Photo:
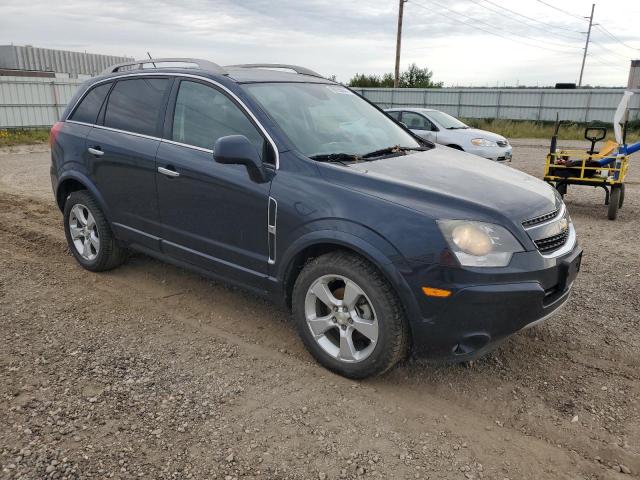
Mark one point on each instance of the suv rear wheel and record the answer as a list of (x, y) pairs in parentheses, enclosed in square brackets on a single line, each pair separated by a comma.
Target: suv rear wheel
[(349, 317), (88, 234)]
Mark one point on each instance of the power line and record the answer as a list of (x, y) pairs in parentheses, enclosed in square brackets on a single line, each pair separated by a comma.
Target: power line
[(547, 25), (561, 10), (611, 52), (475, 20), (616, 38)]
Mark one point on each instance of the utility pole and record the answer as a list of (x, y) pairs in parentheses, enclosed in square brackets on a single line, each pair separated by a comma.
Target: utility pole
[(586, 45), (396, 79)]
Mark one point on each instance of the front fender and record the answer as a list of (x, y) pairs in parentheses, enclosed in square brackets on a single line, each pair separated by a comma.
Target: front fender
[(362, 241)]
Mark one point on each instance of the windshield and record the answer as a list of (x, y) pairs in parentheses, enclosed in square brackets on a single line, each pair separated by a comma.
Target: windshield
[(445, 120), (322, 119)]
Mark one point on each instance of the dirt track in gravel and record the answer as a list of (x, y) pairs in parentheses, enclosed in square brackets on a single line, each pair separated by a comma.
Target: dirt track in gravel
[(154, 372)]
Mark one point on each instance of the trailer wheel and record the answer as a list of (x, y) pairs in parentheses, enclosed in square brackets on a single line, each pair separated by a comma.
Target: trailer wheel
[(621, 196), (614, 203), (562, 189)]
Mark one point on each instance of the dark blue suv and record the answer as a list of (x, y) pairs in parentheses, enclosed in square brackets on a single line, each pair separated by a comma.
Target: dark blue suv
[(281, 181)]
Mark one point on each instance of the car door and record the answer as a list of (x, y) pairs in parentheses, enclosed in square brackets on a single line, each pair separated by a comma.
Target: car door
[(212, 215), (122, 150), (420, 125)]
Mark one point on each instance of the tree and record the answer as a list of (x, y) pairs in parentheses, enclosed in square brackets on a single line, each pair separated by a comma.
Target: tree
[(413, 77), (416, 77)]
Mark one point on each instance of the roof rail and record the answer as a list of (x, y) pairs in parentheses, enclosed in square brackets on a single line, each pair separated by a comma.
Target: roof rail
[(138, 64), (295, 68)]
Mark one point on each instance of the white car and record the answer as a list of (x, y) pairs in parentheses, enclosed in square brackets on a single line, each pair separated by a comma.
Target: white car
[(442, 128)]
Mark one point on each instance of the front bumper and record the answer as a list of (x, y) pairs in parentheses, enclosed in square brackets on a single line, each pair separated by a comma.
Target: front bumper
[(479, 314), (499, 154)]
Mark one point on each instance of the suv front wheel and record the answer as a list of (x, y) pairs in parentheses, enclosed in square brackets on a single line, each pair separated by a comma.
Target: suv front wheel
[(348, 316), (88, 234)]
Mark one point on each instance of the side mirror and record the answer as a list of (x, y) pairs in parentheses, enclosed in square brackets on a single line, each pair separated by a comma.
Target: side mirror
[(238, 150)]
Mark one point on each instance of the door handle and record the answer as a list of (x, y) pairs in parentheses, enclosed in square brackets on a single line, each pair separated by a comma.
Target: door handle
[(95, 151), (168, 172)]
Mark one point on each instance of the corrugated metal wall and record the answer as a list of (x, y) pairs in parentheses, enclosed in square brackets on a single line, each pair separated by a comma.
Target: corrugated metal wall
[(516, 104), (35, 102), (60, 61)]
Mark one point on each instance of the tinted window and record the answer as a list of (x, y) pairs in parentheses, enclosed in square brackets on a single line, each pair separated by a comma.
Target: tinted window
[(203, 115), (416, 121), (90, 105), (394, 115), (136, 105)]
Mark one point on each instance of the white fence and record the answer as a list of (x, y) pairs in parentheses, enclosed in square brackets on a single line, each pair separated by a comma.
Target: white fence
[(34, 101), (584, 105), (39, 102)]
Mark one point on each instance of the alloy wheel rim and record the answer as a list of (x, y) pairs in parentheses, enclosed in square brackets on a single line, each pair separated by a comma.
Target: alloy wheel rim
[(84, 232), (341, 318)]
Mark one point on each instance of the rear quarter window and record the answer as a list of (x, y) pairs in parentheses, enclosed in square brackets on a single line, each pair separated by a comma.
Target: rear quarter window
[(136, 105), (87, 110)]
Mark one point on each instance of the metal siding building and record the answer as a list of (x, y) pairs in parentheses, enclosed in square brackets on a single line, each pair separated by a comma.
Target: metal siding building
[(60, 61)]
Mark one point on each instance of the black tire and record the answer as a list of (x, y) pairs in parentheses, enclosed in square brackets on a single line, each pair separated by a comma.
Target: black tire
[(562, 189), (110, 254), (393, 330), (614, 203), (621, 196)]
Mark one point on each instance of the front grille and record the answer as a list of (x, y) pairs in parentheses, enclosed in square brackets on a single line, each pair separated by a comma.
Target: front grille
[(549, 244), (540, 219), (502, 143)]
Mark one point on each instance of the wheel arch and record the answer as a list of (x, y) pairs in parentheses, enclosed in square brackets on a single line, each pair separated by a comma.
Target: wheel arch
[(386, 260), (74, 182)]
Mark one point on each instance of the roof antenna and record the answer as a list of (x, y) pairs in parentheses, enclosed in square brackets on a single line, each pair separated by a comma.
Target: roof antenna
[(152, 62)]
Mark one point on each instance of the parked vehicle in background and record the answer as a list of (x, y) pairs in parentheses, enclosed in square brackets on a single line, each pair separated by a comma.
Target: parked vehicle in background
[(293, 186), (442, 128)]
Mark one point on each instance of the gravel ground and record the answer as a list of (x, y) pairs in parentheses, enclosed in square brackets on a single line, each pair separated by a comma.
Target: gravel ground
[(150, 371)]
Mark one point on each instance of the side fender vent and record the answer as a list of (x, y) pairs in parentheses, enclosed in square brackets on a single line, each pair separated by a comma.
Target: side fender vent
[(271, 229)]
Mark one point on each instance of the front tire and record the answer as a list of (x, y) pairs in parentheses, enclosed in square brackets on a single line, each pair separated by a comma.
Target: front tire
[(89, 236), (349, 317)]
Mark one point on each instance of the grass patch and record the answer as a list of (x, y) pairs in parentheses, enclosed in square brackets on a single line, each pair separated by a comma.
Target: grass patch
[(12, 137), (528, 129)]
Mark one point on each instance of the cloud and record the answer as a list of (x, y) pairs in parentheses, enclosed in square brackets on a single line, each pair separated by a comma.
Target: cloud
[(463, 41)]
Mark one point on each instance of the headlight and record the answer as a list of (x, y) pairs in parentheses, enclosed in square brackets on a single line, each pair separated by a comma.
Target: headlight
[(479, 244), (483, 142)]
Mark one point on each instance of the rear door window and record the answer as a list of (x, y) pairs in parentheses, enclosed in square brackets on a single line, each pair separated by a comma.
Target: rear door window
[(137, 105), (87, 110), (203, 114)]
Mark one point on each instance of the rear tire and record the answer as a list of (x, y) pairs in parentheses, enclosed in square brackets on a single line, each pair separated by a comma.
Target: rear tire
[(364, 331), (621, 196), (614, 203), (89, 235)]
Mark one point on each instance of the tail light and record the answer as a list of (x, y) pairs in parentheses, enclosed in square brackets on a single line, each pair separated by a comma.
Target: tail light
[(53, 134)]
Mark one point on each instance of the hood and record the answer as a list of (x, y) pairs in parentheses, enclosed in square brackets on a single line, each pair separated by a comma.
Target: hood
[(471, 133), (447, 183)]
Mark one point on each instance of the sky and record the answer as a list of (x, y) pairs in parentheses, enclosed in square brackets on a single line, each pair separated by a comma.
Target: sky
[(464, 42)]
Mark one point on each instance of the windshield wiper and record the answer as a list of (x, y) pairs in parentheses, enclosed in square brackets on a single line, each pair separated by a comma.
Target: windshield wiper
[(389, 150), (335, 157)]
